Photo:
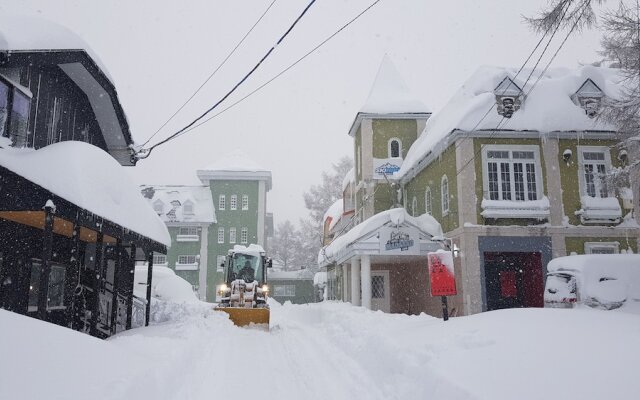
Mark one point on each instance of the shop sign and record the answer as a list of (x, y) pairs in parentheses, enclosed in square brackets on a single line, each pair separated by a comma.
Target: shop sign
[(403, 240), (441, 274), (386, 167)]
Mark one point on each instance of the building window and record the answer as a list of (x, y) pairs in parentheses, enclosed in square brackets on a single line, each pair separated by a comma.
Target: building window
[(601, 247), (14, 113), (232, 235), (444, 188), (245, 202), (187, 208), (427, 201), (394, 148), (414, 206), (244, 235), (222, 202), (55, 292), (220, 235), (187, 259), (594, 163), (159, 259), (233, 202), (511, 174), (284, 290), (220, 263), (188, 230)]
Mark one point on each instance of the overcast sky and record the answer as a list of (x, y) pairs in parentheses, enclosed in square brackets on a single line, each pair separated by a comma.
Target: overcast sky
[(158, 52)]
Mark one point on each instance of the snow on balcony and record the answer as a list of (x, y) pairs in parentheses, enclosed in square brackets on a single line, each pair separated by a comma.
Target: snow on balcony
[(530, 209), (599, 210)]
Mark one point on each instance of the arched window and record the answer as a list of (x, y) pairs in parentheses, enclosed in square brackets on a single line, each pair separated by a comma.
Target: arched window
[(427, 201), (444, 187), (395, 148)]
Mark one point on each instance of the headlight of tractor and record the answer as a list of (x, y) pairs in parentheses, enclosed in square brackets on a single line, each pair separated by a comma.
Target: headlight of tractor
[(265, 289), (222, 289)]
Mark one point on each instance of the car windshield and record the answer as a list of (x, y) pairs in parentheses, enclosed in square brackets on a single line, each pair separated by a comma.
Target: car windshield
[(246, 267)]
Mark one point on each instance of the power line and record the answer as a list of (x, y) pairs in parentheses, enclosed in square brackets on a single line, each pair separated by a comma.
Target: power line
[(147, 152), (498, 127), (212, 74), (364, 11)]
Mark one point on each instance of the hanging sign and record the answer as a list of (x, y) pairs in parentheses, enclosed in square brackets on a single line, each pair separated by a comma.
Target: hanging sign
[(441, 274), (386, 167), (404, 240)]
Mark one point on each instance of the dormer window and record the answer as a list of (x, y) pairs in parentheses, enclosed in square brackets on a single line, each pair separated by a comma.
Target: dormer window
[(158, 207), (187, 207), (589, 97), (395, 148), (508, 97)]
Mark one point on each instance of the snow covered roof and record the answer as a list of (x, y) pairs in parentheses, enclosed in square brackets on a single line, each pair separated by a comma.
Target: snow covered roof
[(252, 249), (395, 217), (349, 178), (302, 274), (90, 178), (548, 108), (23, 33), (235, 165), (390, 94), (334, 212), (173, 199)]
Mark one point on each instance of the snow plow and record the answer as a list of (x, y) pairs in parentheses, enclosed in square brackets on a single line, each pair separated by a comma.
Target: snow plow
[(243, 295)]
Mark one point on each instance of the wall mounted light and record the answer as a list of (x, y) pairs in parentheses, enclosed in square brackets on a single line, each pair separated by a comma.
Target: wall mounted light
[(623, 156), (566, 155)]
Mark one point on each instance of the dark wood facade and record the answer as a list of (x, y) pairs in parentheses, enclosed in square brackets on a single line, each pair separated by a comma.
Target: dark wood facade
[(60, 262)]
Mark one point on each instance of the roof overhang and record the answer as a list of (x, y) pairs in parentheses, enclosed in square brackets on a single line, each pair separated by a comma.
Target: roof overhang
[(206, 175), (92, 80), (361, 115)]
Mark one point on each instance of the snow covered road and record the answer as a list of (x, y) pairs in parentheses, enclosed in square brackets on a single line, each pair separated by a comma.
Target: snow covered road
[(334, 351)]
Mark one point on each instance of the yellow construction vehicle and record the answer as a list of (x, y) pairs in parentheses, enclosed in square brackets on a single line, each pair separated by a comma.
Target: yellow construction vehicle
[(244, 293)]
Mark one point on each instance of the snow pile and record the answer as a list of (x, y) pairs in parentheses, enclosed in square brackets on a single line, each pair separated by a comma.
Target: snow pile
[(395, 217), (390, 94), (174, 198), (516, 209), (349, 178), (547, 108), (600, 208), (334, 213), (90, 178), (39, 34), (333, 350), (603, 280)]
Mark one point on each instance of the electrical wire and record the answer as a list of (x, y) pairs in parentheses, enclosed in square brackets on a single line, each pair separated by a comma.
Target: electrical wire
[(147, 152), (364, 11), (211, 75)]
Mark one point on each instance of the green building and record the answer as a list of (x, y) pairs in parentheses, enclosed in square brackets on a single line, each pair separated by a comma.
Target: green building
[(229, 208), (514, 176), (294, 286)]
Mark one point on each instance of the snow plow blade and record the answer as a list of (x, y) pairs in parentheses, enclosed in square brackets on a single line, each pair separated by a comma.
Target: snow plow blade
[(247, 316)]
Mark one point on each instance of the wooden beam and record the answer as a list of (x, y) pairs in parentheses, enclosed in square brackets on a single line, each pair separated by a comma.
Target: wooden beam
[(130, 282), (117, 269)]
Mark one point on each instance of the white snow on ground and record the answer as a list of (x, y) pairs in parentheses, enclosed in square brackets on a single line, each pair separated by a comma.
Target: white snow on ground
[(332, 350)]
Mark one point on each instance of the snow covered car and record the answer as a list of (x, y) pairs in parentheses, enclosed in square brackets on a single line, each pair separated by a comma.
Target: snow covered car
[(605, 281)]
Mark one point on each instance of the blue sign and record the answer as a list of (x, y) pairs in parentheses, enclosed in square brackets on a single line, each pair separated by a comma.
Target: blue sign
[(387, 169)]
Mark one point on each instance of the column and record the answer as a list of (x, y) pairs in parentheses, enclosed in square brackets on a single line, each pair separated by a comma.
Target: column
[(355, 281), (149, 282), (365, 276), (345, 290), (45, 268)]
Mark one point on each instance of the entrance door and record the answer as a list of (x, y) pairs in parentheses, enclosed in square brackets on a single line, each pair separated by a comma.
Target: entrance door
[(380, 296), (513, 280)]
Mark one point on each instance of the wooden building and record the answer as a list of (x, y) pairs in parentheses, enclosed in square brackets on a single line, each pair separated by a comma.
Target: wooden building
[(72, 224)]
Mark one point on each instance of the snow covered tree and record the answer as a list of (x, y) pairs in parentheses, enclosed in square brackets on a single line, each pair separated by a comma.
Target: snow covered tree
[(285, 246), (320, 197)]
